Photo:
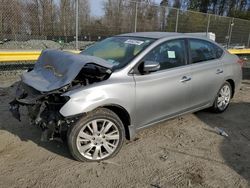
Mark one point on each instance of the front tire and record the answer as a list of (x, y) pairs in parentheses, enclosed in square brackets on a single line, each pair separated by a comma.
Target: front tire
[(223, 98), (97, 136)]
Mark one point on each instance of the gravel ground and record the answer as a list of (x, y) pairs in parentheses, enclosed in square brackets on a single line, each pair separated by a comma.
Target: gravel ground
[(41, 44), (8, 78), (182, 152)]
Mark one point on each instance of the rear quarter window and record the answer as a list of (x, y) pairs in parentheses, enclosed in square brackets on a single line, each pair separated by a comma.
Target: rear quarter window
[(218, 51)]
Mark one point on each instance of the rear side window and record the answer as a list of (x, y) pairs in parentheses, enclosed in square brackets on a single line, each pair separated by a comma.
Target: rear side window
[(201, 50)]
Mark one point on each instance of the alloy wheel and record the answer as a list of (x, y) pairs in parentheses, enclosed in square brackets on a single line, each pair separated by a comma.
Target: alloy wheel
[(224, 97), (98, 139)]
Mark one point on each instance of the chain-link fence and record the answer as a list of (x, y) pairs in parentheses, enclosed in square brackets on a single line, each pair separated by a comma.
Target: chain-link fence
[(70, 24)]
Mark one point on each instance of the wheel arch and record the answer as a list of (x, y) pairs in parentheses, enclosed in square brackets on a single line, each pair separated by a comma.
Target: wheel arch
[(232, 84), (124, 116)]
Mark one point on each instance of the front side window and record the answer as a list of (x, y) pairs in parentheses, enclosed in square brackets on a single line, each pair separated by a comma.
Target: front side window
[(118, 51), (170, 54), (202, 50)]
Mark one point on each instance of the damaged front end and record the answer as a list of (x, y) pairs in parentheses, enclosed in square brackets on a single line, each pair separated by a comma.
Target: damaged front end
[(41, 89), (42, 110)]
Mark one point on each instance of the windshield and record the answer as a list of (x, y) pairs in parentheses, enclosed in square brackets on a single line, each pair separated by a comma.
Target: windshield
[(118, 51)]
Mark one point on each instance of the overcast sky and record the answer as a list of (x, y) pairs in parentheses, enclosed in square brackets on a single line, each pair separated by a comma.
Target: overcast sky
[(96, 7)]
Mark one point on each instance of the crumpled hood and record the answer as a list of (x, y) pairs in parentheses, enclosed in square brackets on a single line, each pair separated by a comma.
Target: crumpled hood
[(55, 69)]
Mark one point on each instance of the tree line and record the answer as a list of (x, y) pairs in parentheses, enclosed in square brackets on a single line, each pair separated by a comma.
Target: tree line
[(232, 8)]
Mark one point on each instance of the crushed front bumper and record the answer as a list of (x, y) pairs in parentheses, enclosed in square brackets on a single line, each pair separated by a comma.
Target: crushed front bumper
[(25, 95)]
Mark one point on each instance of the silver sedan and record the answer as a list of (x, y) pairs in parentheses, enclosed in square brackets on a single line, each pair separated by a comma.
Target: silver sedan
[(125, 83)]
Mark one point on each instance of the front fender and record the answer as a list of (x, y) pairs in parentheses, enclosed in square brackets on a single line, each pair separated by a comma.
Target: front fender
[(79, 106), (89, 98)]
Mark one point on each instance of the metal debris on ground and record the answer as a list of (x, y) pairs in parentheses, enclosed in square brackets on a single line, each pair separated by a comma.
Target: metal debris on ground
[(221, 132)]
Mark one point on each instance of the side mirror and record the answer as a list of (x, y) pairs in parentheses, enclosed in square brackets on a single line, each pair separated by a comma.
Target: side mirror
[(151, 66)]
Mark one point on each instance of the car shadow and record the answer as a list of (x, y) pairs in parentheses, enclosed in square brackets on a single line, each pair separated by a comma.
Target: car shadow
[(24, 130), (246, 73), (235, 149)]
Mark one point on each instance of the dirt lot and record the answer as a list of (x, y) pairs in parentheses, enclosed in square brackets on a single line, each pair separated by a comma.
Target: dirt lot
[(183, 152)]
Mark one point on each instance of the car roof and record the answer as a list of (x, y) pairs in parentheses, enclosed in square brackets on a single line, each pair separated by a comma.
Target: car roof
[(159, 35), (155, 35)]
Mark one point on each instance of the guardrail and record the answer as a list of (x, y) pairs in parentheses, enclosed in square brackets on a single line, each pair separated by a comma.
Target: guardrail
[(240, 51), (26, 56), (14, 56), (23, 56)]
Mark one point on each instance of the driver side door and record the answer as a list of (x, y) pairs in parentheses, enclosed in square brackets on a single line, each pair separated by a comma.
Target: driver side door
[(163, 93)]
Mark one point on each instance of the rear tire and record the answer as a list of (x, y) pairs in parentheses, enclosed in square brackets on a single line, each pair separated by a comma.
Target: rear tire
[(97, 136), (223, 98)]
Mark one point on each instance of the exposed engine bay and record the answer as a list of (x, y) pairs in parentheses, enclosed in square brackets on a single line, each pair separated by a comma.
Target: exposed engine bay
[(41, 89)]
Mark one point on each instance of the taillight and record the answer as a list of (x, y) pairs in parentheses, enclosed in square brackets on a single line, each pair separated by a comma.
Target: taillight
[(241, 62)]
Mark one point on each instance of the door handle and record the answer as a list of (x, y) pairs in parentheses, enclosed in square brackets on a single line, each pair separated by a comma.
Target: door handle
[(185, 79), (219, 71)]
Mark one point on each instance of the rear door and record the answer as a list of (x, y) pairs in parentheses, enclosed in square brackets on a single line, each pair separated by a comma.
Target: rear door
[(206, 71), (165, 92)]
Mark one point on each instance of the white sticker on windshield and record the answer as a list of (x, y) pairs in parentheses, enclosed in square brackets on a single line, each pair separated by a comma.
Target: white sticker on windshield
[(171, 54), (135, 42)]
